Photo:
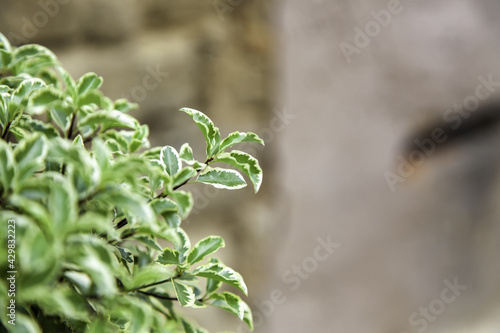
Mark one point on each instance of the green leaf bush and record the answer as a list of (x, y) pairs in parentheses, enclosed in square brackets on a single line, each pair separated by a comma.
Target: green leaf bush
[(94, 207)]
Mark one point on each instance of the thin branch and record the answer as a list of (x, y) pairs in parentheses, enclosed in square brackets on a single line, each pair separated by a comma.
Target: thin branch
[(70, 130), (154, 283), (6, 130), (163, 297), (157, 296), (121, 224)]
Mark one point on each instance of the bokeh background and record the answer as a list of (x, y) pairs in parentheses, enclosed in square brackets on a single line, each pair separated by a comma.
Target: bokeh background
[(336, 89)]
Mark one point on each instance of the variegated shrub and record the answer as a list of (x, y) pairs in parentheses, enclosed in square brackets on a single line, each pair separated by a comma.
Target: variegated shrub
[(92, 202)]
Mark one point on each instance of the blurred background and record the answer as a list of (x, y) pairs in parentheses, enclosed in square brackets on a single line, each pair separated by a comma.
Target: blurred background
[(347, 234)]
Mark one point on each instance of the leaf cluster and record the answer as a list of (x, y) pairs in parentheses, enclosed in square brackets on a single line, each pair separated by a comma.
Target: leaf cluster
[(93, 202)]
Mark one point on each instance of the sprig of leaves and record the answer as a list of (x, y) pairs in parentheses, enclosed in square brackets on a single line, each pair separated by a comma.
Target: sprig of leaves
[(93, 202)]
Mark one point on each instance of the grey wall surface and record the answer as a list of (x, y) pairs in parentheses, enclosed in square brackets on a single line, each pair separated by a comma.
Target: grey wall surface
[(421, 258)]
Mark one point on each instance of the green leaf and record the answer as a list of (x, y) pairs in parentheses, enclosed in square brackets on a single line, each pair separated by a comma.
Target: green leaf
[(186, 153), (62, 203), (100, 271), (102, 155), (246, 163), (204, 248), (208, 129), (61, 113), (5, 58), (168, 209), (50, 78), (30, 154), (78, 141), (173, 219), (21, 94), (185, 294), (183, 176), (34, 209), (150, 242), (212, 286), (135, 316), (93, 222), (169, 257), (222, 178), (163, 205), (69, 83), (149, 274), (4, 110), (7, 166), (31, 58), (35, 125), (220, 272), (238, 137), (25, 324), (181, 241), (90, 97), (80, 280), (31, 50), (170, 159), (60, 300), (109, 119), (132, 204), (135, 145), (4, 43), (30, 150), (88, 82), (100, 325), (184, 202), (125, 106), (42, 99), (232, 303)]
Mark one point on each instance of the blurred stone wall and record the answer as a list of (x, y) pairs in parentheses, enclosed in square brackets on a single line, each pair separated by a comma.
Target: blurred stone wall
[(166, 54), (361, 256)]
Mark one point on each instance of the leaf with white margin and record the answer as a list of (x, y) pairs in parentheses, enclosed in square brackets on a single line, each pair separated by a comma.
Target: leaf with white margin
[(246, 163), (186, 153), (238, 137), (185, 294), (87, 82), (204, 248), (170, 159), (222, 178), (220, 272), (234, 304), (21, 94), (169, 257), (208, 129)]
